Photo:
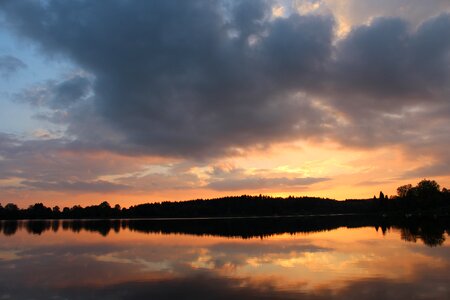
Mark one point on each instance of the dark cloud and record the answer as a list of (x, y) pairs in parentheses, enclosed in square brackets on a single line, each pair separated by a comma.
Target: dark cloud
[(10, 64), (57, 95), (171, 78), (390, 83), (387, 65), (206, 79)]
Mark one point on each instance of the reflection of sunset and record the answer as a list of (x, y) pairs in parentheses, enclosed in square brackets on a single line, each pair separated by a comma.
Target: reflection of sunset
[(301, 261)]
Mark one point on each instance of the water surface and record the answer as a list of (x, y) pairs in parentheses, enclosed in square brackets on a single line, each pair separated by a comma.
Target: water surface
[(177, 260)]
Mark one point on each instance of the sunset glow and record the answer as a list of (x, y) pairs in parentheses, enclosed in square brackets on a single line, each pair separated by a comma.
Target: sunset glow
[(108, 101)]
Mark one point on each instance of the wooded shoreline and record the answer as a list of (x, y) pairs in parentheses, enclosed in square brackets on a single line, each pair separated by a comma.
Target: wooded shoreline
[(425, 199)]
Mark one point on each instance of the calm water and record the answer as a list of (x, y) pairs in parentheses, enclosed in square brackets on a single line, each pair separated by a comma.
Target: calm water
[(123, 260)]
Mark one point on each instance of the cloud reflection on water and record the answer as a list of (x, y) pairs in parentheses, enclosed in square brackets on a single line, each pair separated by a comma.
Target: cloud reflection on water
[(131, 265)]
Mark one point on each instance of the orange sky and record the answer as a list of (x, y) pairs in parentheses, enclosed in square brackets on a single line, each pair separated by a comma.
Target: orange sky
[(349, 173)]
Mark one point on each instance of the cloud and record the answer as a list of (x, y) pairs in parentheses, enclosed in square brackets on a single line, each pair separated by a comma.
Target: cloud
[(170, 78), (227, 177), (199, 80), (60, 95), (439, 168), (357, 12), (385, 65), (98, 186), (258, 183), (56, 164), (9, 65), (170, 180), (52, 165), (390, 83)]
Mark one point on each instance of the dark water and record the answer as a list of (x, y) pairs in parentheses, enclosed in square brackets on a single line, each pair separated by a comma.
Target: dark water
[(223, 259)]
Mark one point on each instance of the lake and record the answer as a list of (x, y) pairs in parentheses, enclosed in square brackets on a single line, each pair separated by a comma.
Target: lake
[(222, 259)]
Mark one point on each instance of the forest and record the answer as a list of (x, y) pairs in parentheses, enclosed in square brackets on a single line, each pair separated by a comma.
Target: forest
[(426, 198)]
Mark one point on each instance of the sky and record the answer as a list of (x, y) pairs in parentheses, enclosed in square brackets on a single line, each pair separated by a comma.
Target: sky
[(142, 101)]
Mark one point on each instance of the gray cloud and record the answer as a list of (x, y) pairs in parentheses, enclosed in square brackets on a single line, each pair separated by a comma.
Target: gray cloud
[(385, 66), (439, 168), (52, 165), (172, 180), (57, 95), (391, 84), (230, 178), (357, 12), (206, 79), (98, 186), (10, 64), (170, 78), (256, 183), (57, 164)]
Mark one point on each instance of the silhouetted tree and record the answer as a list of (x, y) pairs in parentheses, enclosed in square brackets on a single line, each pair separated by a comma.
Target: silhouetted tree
[(66, 212), (428, 186), (446, 192), (116, 211), (104, 205), (38, 211), (402, 191), (56, 209), (10, 207), (11, 211)]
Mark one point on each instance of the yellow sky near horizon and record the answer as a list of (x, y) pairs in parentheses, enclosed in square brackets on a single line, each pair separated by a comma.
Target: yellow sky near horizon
[(347, 173)]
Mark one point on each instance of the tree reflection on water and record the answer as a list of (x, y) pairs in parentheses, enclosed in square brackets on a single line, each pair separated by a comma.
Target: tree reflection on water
[(333, 257), (431, 231)]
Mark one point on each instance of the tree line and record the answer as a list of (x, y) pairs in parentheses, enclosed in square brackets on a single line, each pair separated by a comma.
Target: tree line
[(425, 198)]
